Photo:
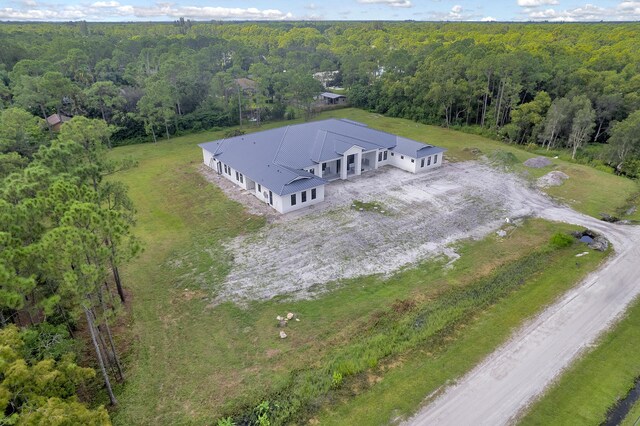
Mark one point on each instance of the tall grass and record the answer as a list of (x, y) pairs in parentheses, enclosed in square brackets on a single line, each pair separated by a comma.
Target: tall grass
[(404, 326)]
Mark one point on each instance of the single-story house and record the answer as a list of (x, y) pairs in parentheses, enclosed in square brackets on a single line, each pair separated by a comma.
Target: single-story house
[(329, 98), (289, 167), (56, 120)]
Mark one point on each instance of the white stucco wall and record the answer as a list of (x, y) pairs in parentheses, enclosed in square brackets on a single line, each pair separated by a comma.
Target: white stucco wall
[(207, 156), (284, 203), (436, 161), (383, 162), (403, 162)]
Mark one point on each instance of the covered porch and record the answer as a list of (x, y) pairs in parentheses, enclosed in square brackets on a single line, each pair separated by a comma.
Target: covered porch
[(369, 161), (331, 169)]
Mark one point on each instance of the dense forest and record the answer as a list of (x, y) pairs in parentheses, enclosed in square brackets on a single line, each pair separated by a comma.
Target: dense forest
[(555, 85), (65, 229)]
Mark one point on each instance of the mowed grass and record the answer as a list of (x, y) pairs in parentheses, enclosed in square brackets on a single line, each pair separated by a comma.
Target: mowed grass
[(192, 363), (633, 418), (591, 386)]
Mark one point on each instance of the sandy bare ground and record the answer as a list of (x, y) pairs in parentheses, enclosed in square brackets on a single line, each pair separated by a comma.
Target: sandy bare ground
[(298, 253), (498, 390)]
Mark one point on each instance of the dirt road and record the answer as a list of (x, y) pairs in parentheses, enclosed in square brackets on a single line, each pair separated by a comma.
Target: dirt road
[(498, 389)]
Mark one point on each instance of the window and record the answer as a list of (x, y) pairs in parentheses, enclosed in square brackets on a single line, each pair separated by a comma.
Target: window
[(237, 176), (402, 157), (270, 198), (259, 188), (435, 159), (392, 154), (304, 196), (429, 161), (312, 171), (384, 157), (413, 161), (241, 178), (324, 166), (380, 156), (313, 194), (293, 199), (422, 163)]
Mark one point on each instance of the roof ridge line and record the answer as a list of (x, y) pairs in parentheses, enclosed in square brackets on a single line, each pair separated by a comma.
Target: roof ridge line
[(353, 137), (219, 146), (280, 145)]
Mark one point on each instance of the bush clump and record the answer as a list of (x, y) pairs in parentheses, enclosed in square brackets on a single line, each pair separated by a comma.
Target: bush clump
[(560, 240)]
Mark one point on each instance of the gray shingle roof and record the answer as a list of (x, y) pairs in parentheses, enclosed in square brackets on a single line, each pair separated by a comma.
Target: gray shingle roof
[(274, 158), (331, 95), (408, 147)]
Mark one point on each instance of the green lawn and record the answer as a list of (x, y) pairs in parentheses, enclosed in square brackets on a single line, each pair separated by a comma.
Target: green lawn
[(192, 363), (594, 383), (633, 418)]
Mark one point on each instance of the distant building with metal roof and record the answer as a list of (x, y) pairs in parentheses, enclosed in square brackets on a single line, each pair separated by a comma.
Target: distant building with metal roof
[(329, 98), (288, 167)]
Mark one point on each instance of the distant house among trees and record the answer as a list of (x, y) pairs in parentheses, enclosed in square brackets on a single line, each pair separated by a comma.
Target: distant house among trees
[(56, 120), (326, 77), (247, 85), (329, 98)]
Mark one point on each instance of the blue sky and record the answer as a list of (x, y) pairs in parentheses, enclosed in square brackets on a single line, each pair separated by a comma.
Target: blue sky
[(423, 10)]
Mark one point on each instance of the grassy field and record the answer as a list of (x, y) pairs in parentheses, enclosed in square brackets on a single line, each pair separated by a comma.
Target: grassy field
[(192, 363), (633, 418), (594, 383)]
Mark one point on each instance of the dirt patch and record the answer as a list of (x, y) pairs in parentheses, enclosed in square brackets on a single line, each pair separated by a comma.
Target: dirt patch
[(298, 253), (554, 178), (538, 162)]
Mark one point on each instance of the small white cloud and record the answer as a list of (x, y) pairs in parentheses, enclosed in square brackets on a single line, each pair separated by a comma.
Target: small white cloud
[(456, 9), (105, 4), (488, 19), (535, 3), (114, 10), (392, 3)]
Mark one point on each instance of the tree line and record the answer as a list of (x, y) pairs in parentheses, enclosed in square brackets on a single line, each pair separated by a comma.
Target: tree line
[(65, 231), (555, 85)]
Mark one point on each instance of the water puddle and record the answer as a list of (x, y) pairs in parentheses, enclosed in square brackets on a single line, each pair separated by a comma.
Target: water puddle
[(586, 239), (619, 411)]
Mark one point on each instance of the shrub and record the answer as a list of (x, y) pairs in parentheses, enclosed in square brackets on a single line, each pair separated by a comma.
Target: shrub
[(233, 133), (560, 240), (336, 380), (503, 158)]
